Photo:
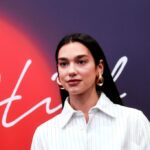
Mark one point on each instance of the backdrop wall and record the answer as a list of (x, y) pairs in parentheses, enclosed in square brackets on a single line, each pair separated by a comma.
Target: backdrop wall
[(29, 33)]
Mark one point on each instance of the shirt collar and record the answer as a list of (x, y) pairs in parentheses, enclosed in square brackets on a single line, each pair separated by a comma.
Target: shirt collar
[(104, 105), (66, 113)]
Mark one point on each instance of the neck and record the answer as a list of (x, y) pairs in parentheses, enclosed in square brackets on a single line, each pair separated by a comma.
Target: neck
[(84, 101)]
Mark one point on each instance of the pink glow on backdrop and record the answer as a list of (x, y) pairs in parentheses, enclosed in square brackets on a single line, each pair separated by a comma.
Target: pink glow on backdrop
[(24, 72)]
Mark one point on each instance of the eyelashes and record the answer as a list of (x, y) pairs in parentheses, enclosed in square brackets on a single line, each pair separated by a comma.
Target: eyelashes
[(67, 63)]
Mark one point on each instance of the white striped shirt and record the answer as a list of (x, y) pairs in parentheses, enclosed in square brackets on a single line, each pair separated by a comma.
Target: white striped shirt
[(110, 127)]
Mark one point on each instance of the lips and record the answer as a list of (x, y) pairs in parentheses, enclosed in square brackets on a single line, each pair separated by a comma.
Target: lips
[(73, 82)]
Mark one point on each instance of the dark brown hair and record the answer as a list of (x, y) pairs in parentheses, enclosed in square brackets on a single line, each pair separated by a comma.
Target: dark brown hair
[(109, 87)]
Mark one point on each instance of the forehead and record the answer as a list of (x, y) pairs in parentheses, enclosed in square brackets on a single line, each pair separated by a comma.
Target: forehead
[(72, 50)]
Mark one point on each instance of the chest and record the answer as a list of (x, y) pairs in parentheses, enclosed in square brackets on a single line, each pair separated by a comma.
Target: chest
[(97, 134)]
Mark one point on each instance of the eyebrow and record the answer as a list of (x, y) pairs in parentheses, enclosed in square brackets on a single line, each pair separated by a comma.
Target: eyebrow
[(77, 57)]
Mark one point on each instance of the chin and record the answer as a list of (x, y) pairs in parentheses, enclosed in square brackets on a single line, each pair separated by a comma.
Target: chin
[(75, 92)]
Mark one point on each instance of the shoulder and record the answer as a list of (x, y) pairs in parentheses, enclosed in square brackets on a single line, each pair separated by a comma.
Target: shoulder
[(46, 133), (136, 123), (50, 125), (125, 111), (119, 111), (131, 115)]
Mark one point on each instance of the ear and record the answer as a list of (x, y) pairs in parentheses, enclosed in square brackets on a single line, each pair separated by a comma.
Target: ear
[(100, 67)]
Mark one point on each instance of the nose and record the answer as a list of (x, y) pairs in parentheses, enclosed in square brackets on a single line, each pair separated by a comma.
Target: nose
[(72, 70)]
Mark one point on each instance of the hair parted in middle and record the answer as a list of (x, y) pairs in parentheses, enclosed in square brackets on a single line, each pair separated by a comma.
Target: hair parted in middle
[(108, 87)]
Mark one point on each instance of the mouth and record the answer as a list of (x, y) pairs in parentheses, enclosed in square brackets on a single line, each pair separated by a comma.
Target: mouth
[(73, 82)]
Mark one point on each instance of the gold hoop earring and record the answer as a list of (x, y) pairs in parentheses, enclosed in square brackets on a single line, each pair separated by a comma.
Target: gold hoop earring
[(59, 83), (100, 80)]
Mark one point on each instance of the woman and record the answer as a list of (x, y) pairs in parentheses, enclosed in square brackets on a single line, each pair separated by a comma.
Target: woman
[(93, 117)]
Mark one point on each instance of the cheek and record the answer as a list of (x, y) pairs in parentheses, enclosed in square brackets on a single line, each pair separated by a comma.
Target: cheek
[(88, 71), (89, 74), (61, 74)]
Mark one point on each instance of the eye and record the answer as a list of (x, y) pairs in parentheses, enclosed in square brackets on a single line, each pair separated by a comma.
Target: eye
[(81, 62), (62, 64)]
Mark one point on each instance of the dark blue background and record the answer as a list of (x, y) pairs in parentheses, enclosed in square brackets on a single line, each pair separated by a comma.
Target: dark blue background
[(121, 27)]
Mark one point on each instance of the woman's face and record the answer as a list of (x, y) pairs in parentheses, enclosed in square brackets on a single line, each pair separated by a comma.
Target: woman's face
[(77, 69)]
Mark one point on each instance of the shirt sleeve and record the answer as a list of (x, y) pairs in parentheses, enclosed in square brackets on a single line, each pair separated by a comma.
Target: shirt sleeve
[(144, 132)]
